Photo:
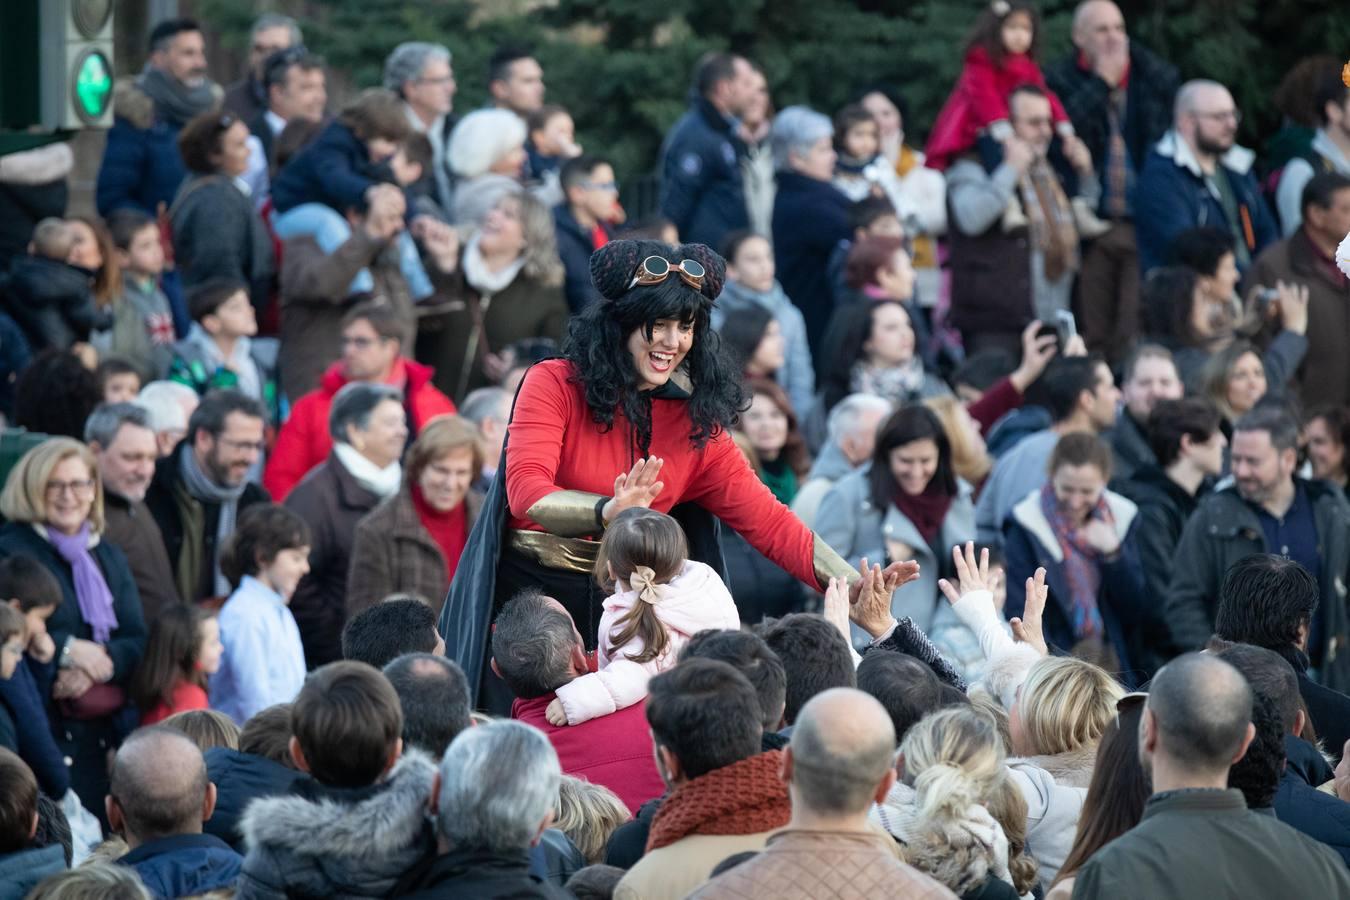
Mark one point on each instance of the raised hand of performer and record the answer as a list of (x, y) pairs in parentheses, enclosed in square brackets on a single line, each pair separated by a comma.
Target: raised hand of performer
[(636, 487)]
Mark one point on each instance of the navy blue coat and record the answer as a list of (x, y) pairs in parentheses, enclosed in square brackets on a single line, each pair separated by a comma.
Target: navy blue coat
[(141, 167), (1121, 600), (1298, 803), (241, 778), (21, 702), (810, 218), (575, 248), (185, 865), (702, 190), (1170, 198), (334, 170)]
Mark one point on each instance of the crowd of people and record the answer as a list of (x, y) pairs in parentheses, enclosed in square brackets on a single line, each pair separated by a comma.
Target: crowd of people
[(385, 513)]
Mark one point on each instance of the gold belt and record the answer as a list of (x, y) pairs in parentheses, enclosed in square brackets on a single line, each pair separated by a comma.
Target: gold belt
[(567, 554)]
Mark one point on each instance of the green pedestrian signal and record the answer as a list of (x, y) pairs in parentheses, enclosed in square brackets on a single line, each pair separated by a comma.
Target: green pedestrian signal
[(93, 86)]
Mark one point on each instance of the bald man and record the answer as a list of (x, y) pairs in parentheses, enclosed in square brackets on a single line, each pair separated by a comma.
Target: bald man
[(1197, 838), (1119, 96), (1198, 175), (839, 762), (158, 799)]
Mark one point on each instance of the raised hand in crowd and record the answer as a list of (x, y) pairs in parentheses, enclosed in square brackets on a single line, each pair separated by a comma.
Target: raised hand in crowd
[(972, 573), (1027, 628), (869, 598), (636, 487), (385, 207), (1018, 155), (1037, 351), (1293, 301), (440, 240)]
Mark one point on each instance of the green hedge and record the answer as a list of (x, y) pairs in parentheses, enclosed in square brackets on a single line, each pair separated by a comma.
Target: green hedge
[(622, 66)]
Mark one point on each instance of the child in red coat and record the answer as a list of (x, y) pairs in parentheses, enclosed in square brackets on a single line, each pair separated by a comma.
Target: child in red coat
[(1000, 56), (183, 650)]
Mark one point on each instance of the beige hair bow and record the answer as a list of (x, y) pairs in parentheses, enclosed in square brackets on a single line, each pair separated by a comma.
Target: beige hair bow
[(643, 580)]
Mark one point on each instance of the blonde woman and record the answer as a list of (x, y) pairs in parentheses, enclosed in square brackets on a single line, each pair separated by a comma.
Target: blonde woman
[(588, 814), (510, 290), (949, 764), (53, 506)]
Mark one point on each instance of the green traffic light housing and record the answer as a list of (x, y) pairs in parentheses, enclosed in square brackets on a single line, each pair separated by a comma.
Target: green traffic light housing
[(93, 83)]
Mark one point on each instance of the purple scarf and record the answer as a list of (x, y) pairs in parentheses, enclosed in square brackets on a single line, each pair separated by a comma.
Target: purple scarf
[(91, 588), (1081, 568)]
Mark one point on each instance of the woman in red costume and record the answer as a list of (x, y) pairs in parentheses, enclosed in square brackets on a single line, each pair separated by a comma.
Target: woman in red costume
[(635, 413)]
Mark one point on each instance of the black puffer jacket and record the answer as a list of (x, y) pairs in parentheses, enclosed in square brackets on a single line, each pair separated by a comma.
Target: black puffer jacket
[(52, 302)]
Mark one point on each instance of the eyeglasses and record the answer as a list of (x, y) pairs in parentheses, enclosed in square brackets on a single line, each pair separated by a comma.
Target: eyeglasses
[(82, 488), (1232, 115), (244, 445), (361, 343), (608, 186), (656, 269)]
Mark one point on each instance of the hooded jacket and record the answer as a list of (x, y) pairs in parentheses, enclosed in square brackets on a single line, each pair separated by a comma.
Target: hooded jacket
[(1172, 196), (52, 302), (693, 601), (185, 865), (1222, 531), (339, 843), (22, 871), (304, 441), (1054, 788), (240, 778)]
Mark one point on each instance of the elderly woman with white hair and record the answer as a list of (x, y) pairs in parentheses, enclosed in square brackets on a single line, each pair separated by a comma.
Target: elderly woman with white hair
[(810, 216), (510, 290), (169, 405), (370, 430), (487, 154), (421, 75)]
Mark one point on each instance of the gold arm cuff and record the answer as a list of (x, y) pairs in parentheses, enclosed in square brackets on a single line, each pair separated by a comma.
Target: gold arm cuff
[(567, 513), (553, 552), (829, 564)]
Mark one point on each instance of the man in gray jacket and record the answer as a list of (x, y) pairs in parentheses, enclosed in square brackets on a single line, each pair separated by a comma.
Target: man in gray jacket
[(1197, 838), (1266, 510)]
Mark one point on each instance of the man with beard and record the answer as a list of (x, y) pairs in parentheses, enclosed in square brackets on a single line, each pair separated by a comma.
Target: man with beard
[(1197, 175), (1197, 838), (1266, 510), (142, 167), (126, 449), (199, 490)]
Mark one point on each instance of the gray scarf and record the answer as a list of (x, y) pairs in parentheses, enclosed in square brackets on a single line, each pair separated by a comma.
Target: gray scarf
[(201, 487), (175, 102)]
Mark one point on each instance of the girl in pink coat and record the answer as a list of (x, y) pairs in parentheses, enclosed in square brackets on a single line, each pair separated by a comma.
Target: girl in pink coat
[(661, 599)]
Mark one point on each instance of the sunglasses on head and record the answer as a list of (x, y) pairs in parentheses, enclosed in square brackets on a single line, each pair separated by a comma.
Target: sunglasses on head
[(656, 269)]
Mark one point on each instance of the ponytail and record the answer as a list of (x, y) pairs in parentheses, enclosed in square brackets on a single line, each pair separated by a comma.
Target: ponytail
[(945, 791)]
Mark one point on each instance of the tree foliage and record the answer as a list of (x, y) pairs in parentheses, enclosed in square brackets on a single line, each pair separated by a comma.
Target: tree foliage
[(622, 66)]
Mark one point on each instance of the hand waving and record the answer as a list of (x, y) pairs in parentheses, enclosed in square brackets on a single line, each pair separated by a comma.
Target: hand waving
[(869, 598), (1027, 629), (971, 575), (636, 487)]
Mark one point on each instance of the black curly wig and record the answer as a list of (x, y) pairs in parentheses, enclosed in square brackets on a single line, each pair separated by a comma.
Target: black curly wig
[(597, 341)]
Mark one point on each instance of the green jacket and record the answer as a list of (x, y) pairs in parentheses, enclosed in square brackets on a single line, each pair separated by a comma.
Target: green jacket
[(194, 367), (1204, 844), (1224, 529)]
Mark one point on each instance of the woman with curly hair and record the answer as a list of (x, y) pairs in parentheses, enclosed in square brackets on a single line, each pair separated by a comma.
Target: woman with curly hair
[(638, 412)]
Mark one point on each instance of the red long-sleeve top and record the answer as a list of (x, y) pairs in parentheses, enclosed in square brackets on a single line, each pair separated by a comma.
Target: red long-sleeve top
[(554, 445)]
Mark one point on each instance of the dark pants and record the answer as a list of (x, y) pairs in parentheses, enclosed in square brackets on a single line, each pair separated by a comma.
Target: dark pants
[(1108, 293)]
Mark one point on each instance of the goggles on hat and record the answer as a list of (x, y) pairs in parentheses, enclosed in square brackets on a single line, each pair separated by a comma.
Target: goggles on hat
[(656, 269)]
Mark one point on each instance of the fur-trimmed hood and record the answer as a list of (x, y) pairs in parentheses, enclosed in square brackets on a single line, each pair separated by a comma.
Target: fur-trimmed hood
[(321, 841)]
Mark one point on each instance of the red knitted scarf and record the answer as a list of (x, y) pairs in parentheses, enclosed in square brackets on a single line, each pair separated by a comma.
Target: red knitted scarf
[(746, 797)]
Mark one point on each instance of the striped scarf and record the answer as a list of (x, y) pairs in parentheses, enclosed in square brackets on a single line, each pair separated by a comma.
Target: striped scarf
[(1081, 563)]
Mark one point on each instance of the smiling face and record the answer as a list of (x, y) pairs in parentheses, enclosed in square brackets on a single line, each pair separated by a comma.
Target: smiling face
[(891, 342), (128, 464), (1260, 469), (69, 495), (1325, 451), (766, 426), (1154, 378), (227, 457), (1246, 383), (862, 141), (768, 356), (885, 113), (232, 156), (385, 435), (658, 357), (1017, 32), (503, 231), (284, 572), (445, 481), (1078, 489), (913, 465)]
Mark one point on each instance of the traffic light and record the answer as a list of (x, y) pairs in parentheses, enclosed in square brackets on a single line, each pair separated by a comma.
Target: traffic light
[(58, 64), (76, 63)]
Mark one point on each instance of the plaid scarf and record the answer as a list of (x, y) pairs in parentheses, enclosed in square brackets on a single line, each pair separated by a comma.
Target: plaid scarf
[(1050, 218), (1081, 568)]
